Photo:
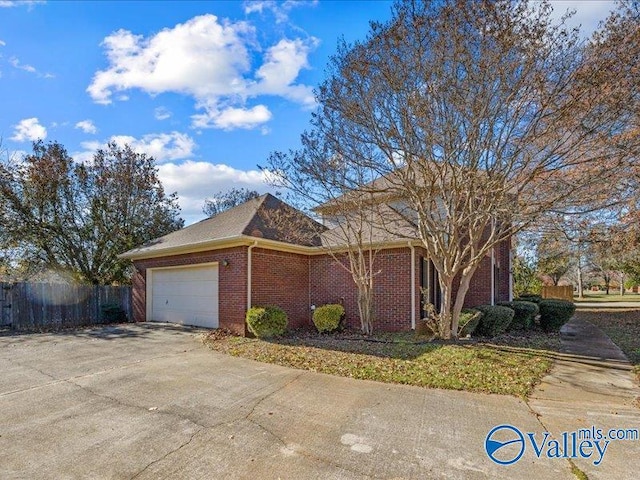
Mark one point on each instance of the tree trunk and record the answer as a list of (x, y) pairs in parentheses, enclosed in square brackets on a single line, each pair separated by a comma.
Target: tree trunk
[(465, 283), (365, 307), (580, 286), (622, 284), (444, 320)]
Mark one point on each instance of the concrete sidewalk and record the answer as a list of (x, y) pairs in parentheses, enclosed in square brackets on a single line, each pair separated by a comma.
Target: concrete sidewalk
[(607, 305), (592, 385)]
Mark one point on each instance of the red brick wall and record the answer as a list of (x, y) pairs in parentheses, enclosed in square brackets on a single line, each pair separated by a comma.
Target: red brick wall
[(282, 279), (479, 292), (294, 282), (231, 288), (331, 283)]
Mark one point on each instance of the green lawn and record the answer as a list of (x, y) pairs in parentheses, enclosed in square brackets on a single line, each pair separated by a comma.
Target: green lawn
[(505, 366), (612, 297)]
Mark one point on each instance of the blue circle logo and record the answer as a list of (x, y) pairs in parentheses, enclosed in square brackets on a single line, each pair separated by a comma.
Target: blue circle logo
[(504, 444)]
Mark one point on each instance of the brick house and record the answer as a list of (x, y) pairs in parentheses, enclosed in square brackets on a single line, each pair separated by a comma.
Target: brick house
[(209, 273)]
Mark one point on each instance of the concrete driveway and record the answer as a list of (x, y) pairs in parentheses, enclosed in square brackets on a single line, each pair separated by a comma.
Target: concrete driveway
[(149, 401)]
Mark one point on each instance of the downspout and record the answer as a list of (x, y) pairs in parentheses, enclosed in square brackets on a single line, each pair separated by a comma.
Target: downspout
[(309, 287), (510, 274), (413, 285), (249, 273), (493, 276), (493, 267)]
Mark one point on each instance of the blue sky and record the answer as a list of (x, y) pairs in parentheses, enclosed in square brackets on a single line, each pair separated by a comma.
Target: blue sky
[(208, 88)]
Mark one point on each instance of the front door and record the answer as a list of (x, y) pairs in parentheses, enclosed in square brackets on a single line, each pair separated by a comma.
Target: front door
[(430, 285)]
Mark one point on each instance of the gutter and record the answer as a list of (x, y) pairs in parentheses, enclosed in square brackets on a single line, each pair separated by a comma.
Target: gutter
[(493, 276), (249, 273), (510, 274), (242, 240), (413, 285)]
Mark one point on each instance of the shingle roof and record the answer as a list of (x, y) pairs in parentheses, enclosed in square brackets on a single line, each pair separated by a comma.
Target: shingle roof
[(377, 225), (263, 217)]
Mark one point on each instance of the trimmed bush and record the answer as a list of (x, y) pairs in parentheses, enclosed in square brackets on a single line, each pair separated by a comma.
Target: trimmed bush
[(529, 297), (266, 322), (327, 317), (469, 321), (495, 320), (524, 314), (112, 313), (554, 313)]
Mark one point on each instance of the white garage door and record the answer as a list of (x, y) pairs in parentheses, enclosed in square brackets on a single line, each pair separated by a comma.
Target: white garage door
[(186, 295)]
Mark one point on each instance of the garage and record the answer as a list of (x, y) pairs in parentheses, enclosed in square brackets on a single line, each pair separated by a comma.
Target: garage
[(184, 295)]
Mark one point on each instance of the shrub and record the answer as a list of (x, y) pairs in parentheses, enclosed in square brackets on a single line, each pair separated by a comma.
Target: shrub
[(266, 322), (495, 320), (112, 313), (529, 297), (524, 313), (554, 313), (327, 318), (469, 320)]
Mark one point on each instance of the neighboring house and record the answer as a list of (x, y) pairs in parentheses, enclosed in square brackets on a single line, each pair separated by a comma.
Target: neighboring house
[(209, 273)]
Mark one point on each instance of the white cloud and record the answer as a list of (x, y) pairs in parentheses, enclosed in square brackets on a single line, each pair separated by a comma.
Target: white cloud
[(162, 113), (281, 67), (16, 64), (161, 146), (20, 3), (87, 126), (200, 57), (195, 181), (231, 118), (210, 60), (29, 129), (588, 14), (2, 43), (17, 155), (279, 10)]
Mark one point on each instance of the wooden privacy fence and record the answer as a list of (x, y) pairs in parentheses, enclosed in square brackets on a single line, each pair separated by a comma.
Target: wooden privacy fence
[(563, 292), (51, 306)]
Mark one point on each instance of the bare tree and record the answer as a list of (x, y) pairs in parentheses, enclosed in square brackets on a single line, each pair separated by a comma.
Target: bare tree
[(554, 256), (478, 116), (224, 200), (615, 254), (353, 223)]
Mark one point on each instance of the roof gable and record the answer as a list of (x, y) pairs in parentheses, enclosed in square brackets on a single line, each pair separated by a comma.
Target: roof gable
[(263, 217)]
